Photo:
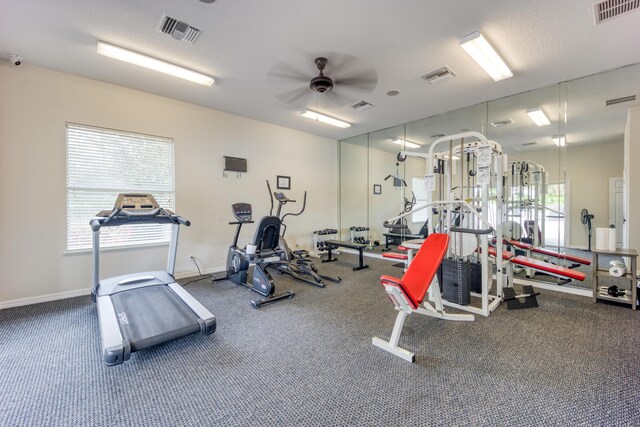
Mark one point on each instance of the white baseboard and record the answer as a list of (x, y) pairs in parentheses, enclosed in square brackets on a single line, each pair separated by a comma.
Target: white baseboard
[(44, 298), (194, 273), (87, 291)]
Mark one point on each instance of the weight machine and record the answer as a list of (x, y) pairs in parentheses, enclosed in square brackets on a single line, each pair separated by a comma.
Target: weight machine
[(525, 192), (464, 210)]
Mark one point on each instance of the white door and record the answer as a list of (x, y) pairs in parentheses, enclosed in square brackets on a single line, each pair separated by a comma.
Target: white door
[(616, 207)]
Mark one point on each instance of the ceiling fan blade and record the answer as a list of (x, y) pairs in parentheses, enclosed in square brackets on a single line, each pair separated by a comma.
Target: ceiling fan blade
[(341, 63), (361, 83), (282, 73), (292, 96)]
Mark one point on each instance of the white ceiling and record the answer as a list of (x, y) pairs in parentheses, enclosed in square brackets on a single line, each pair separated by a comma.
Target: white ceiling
[(243, 42)]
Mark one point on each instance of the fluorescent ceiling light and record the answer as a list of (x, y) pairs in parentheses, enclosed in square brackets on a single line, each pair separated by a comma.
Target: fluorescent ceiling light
[(538, 116), (406, 143), (502, 123), (485, 55), (325, 119), (136, 58), (559, 140)]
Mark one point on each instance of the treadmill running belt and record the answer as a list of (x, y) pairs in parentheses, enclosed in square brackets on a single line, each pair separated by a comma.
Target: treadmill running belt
[(152, 315)]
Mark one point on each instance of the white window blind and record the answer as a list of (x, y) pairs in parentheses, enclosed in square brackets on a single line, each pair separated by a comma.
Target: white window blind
[(101, 163), (420, 190)]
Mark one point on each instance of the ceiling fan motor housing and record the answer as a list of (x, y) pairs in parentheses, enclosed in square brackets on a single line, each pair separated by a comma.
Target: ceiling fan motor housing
[(321, 83)]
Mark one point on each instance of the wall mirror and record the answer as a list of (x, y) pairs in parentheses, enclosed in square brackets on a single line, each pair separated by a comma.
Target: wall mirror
[(580, 150)]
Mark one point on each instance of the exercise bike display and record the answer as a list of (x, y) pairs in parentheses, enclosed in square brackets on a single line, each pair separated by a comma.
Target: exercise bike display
[(248, 267), (294, 263)]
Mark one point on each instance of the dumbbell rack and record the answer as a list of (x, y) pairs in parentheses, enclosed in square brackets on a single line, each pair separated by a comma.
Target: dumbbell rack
[(360, 235), (319, 237)]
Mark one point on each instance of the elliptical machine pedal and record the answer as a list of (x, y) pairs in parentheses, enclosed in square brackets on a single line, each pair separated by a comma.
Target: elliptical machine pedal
[(273, 298)]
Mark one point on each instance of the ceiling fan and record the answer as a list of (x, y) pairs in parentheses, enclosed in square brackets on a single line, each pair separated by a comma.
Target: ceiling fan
[(347, 80)]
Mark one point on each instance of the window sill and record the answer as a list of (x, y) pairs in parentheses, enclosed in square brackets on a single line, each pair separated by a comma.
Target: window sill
[(114, 248)]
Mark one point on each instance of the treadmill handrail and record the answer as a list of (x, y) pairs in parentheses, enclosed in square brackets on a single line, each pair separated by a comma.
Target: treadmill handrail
[(122, 217)]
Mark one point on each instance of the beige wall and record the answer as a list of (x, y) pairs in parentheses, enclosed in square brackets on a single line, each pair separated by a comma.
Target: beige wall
[(34, 106), (632, 176), (588, 169)]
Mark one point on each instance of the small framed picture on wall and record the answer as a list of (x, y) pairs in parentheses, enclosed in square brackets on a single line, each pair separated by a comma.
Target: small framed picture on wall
[(283, 182), (377, 189)]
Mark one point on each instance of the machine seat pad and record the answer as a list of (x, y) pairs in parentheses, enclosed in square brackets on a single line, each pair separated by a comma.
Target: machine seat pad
[(416, 281)]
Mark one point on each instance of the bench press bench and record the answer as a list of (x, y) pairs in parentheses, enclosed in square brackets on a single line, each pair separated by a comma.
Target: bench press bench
[(331, 244), (408, 293)]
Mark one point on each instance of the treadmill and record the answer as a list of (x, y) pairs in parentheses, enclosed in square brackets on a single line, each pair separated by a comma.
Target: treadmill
[(140, 310)]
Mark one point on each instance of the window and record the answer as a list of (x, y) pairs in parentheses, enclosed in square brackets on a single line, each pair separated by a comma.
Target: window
[(101, 163), (554, 223), (420, 190)]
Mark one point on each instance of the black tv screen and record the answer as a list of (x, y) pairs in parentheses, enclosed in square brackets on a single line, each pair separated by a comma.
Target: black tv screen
[(235, 164)]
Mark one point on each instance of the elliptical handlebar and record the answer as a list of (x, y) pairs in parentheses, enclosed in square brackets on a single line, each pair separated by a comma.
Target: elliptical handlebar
[(304, 206), (281, 202)]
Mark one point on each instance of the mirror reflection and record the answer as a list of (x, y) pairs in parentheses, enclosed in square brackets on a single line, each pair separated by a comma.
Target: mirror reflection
[(565, 155)]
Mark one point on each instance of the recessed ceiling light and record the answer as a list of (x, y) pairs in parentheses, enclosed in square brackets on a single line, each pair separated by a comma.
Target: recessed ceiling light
[(437, 135), (145, 61), (393, 93), (479, 48), (324, 119), (406, 143), (538, 116)]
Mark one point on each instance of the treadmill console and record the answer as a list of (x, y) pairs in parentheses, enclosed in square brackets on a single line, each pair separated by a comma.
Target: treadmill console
[(242, 211), (135, 202)]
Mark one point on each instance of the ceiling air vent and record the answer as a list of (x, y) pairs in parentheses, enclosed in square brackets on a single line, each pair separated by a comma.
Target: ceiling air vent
[(440, 75), (608, 9), (360, 105), (178, 30), (620, 100), (526, 144)]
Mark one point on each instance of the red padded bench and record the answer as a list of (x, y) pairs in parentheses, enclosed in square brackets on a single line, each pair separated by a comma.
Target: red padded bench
[(395, 255), (551, 269), (518, 244), (572, 258), (408, 293), (505, 254)]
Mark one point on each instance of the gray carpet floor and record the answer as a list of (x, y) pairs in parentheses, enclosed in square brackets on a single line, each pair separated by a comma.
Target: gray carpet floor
[(309, 362)]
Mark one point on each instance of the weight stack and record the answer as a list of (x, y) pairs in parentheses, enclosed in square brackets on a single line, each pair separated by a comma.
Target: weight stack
[(476, 277), (455, 278)]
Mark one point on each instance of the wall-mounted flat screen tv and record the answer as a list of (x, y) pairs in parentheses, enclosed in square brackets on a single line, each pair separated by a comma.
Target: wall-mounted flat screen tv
[(235, 164)]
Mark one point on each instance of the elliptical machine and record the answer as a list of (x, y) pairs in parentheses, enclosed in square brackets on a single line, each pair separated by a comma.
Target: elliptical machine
[(295, 263), (247, 267)]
